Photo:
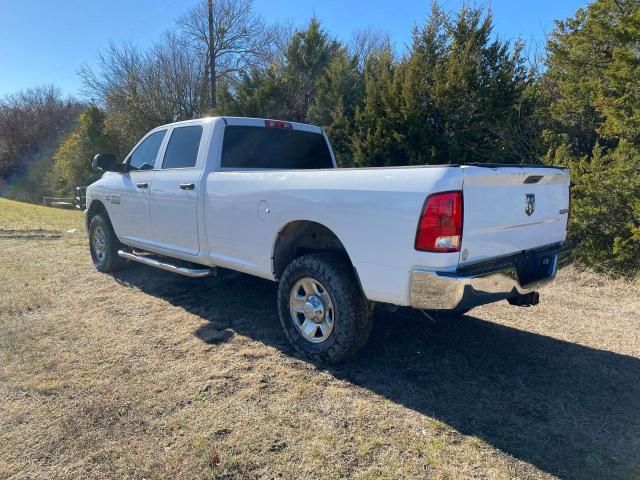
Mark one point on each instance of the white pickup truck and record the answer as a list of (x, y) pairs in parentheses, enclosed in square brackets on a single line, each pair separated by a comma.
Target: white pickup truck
[(264, 197)]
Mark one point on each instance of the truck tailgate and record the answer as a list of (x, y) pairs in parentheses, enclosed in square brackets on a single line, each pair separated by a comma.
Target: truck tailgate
[(511, 209)]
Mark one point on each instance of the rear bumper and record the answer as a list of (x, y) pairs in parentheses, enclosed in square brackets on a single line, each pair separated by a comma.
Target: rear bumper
[(488, 282)]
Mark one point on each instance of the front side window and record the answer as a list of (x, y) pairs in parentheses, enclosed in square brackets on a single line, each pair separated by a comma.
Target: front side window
[(144, 157), (276, 148), (182, 151)]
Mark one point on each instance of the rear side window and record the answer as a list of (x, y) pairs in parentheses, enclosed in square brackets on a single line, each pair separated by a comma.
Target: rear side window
[(182, 150), (277, 148), (144, 157)]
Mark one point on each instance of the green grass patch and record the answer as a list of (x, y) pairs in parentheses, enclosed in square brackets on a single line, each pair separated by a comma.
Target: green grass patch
[(26, 216)]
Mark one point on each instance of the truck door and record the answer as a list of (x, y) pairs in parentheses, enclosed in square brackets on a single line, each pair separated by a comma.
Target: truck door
[(174, 192), (130, 202)]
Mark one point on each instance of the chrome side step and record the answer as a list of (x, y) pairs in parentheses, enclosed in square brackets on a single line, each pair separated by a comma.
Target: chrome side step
[(152, 262)]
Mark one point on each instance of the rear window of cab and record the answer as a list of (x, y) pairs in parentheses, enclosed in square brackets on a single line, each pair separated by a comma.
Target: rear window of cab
[(248, 147)]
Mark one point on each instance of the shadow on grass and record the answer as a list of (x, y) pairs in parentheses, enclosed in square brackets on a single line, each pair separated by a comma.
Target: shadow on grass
[(571, 410)]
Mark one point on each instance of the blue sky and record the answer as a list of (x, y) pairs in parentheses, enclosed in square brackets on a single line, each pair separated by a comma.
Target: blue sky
[(46, 41)]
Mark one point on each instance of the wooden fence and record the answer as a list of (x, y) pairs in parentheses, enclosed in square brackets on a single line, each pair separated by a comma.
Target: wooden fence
[(79, 201)]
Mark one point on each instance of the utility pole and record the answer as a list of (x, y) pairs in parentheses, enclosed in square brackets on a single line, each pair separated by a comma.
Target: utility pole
[(212, 58)]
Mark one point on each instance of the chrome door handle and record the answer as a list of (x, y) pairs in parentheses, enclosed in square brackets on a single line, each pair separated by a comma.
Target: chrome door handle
[(142, 185), (187, 186)]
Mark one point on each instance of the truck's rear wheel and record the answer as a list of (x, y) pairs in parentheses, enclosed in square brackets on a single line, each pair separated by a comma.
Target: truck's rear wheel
[(322, 309), (104, 245)]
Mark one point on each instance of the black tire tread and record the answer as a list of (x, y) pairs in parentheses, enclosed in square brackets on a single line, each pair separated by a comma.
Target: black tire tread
[(336, 273), (113, 261)]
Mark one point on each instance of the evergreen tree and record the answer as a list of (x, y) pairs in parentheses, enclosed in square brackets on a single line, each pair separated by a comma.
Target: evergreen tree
[(258, 94), (308, 55), (287, 88), (377, 140), (460, 96), (464, 92), (338, 92), (594, 128)]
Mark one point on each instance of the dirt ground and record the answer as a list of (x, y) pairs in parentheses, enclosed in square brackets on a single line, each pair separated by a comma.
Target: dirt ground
[(149, 375)]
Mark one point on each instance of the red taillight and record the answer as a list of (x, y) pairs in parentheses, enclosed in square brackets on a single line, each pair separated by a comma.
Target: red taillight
[(440, 227), (277, 124)]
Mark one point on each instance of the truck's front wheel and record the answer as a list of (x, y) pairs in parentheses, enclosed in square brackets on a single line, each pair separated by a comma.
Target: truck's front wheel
[(322, 309), (104, 245)]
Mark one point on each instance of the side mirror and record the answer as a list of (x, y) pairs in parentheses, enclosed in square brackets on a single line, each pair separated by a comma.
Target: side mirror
[(106, 162)]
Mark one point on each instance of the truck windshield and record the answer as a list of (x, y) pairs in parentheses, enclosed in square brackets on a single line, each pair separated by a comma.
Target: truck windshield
[(276, 148)]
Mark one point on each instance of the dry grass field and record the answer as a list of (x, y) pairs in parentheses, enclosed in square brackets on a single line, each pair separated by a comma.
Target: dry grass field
[(149, 375)]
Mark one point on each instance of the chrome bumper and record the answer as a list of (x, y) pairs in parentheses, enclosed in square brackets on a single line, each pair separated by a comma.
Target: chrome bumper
[(454, 291)]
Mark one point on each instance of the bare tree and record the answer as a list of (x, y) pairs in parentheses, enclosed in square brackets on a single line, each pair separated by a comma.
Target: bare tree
[(142, 89), (31, 122), (280, 36), (240, 40), (117, 76), (366, 42), (173, 78)]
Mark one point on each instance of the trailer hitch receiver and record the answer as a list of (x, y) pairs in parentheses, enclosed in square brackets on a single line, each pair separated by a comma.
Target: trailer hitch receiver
[(526, 300)]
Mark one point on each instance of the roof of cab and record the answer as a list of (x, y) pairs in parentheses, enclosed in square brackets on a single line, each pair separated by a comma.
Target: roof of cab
[(243, 121)]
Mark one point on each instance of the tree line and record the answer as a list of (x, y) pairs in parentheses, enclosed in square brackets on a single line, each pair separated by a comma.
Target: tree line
[(459, 94)]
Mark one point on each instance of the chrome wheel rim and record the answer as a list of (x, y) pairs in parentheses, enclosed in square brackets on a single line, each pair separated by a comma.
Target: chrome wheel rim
[(311, 310), (99, 244)]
